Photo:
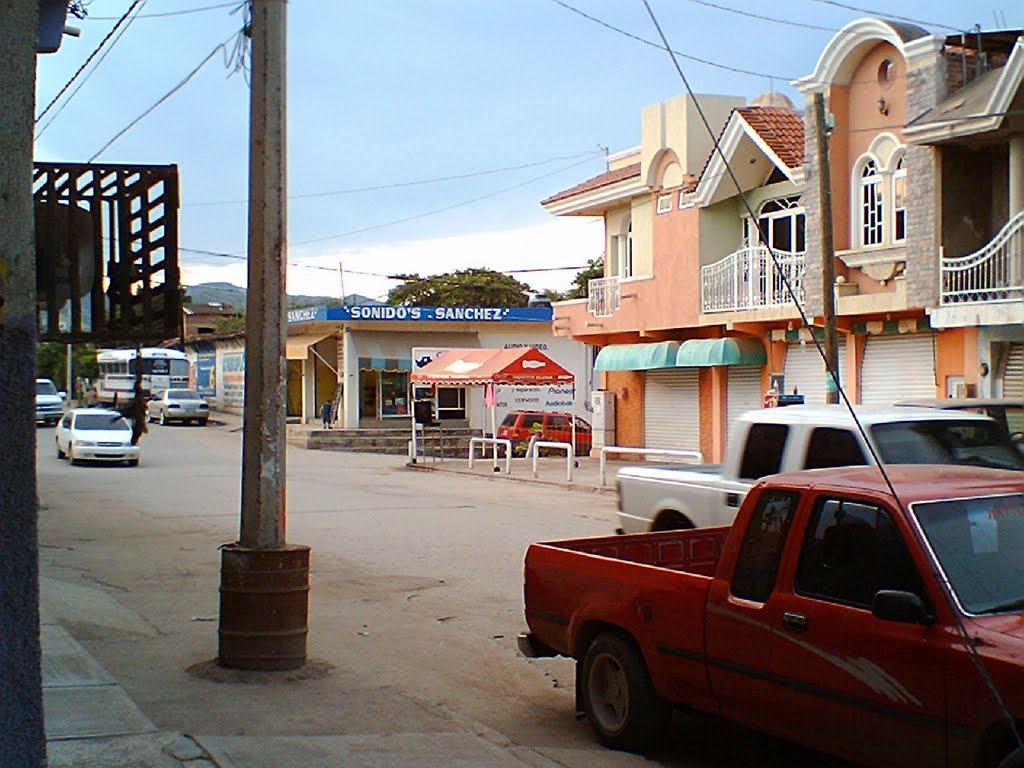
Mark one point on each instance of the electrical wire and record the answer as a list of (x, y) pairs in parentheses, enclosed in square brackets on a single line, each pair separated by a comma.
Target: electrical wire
[(170, 13), (161, 100), (886, 15), (645, 41), (965, 639), (91, 56), (771, 19), (441, 210), (418, 182)]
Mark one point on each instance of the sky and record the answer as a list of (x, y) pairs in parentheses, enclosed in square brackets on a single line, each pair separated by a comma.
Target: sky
[(422, 134)]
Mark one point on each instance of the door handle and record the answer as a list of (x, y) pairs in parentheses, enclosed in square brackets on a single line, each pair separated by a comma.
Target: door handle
[(795, 621), (732, 499)]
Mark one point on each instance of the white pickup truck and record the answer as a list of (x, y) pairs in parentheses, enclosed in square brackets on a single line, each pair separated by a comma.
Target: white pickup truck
[(668, 497)]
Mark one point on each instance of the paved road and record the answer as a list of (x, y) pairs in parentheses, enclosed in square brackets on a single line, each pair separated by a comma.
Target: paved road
[(416, 600)]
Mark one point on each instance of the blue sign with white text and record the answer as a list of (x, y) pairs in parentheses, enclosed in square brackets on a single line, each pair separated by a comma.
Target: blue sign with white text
[(423, 314)]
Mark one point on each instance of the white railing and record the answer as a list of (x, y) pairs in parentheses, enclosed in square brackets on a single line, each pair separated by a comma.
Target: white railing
[(570, 456), (603, 296), (483, 442), (695, 456), (748, 279), (993, 273)]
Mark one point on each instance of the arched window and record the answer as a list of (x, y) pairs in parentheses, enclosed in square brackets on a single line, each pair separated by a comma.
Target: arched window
[(872, 210), (782, 222), (899, 201)]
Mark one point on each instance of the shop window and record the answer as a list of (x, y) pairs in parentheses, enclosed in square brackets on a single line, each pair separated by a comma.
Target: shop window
[(394, 393), (451, 403)]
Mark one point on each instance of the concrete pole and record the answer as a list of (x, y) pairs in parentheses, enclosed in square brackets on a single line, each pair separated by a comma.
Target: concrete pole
[(264, 589), (263, 453), (828, 257), (22, 738), (1016, 175)]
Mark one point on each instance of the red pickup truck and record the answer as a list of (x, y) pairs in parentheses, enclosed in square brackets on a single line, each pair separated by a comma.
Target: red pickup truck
[(887, 630)]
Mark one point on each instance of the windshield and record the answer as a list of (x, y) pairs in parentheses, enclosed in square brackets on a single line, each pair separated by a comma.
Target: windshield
[(101, 421), (45, 388), (979, 543), (182, 394), (974, 442)]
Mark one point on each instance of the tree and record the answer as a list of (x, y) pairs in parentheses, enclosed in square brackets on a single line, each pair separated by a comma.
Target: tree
[(594, 271), (477, 287), (52, 357)]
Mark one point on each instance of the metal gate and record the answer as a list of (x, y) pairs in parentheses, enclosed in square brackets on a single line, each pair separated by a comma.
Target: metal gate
[(805, 370), (898, 368), (744, 392), (672, 409), (1013, 374)]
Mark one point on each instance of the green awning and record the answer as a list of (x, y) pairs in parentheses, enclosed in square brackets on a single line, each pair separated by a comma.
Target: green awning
[(731, 351), (637, 357)]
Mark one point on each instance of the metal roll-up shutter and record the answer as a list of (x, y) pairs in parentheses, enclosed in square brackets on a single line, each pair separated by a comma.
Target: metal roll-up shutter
[(744, 391), (1013, 375), (672, 409), (805, 370), (898, 368)]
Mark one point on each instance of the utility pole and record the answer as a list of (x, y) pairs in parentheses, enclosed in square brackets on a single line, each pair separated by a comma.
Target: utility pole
[(22, 738), (264, 582), (828, 255)]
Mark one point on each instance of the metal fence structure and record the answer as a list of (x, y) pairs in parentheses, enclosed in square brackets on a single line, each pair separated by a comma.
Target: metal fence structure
[(992, 273), (748, 279)]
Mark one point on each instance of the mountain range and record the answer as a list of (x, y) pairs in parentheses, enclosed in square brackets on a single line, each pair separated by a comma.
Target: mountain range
[(226, 293)]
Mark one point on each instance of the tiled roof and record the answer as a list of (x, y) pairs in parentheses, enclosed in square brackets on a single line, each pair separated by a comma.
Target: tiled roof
[(606, 179), (782, 129)]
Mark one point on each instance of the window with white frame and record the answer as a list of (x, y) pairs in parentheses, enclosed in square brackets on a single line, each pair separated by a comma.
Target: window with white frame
[(622, 247), (872, 210), (899, 201), (783, 223), (664, 203)]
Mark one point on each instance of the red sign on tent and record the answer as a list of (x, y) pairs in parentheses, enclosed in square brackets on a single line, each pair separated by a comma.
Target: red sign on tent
[(522, 366)]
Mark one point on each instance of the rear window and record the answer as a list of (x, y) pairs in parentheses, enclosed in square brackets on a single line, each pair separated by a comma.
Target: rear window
[(182, 394), (96, 421), (763, 452)]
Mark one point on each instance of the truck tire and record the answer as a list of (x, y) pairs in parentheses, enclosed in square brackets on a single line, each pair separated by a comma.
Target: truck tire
[(671, 521), (618, 697)]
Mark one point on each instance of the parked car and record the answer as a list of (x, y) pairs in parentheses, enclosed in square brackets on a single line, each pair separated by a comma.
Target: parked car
[(870, 621), (773, 440), (184, 405), (520, 426), (49, 402), (96, 434)]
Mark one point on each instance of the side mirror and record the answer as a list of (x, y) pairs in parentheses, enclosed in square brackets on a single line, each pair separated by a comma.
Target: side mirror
[(63, 395), (903, 607)]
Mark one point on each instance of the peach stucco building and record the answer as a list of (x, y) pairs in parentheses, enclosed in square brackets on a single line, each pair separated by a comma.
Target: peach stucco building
[(695, 317)]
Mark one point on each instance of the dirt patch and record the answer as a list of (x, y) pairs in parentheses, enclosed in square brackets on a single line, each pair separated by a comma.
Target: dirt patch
[(313, 669)]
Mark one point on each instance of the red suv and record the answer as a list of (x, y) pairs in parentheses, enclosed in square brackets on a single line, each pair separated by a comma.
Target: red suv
[(520, 426)]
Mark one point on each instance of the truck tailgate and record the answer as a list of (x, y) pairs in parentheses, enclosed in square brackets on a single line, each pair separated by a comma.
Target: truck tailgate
[(636, 582)]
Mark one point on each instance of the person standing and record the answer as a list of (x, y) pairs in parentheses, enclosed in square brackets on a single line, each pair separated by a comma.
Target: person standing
[(325, 414)]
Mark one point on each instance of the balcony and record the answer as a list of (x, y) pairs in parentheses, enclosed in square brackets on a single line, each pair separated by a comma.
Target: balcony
[(747, 279), (994, 273), (603, 296)]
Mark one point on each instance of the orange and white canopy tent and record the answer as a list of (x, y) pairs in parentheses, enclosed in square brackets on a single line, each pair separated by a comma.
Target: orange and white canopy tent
[(521, 366)]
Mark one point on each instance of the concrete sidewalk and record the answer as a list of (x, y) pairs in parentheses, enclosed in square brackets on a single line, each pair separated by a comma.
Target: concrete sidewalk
[(92, 723)]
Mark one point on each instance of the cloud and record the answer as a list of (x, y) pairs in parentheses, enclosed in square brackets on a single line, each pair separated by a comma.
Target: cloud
[(312, 270)]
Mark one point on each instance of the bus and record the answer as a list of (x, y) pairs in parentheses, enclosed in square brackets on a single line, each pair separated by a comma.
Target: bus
[(115, 383)]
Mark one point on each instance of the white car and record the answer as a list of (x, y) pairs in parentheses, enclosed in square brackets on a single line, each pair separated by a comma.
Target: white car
[(182, 405), (96, 434)]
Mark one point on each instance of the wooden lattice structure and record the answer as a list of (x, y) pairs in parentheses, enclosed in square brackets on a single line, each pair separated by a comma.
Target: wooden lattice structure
[(107, 252)]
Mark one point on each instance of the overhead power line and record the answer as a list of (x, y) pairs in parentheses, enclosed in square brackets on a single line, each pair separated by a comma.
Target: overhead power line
[(236, 4), (772, 19), (418, 182), (91, 56), (645, 41), (161, 100), (886, 15)]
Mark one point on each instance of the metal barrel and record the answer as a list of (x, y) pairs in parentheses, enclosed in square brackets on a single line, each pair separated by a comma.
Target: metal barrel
[(264, 607)]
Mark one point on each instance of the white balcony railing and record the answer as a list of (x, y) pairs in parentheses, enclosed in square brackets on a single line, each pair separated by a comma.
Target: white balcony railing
[(747, 279), (603, 296), (993, 273)]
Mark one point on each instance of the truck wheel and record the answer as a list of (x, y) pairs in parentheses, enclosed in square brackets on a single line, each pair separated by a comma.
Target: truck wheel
[(618, 697), (671, 521)]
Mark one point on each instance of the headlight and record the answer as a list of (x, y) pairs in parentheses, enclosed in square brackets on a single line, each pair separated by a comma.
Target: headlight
[(85, 443)]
